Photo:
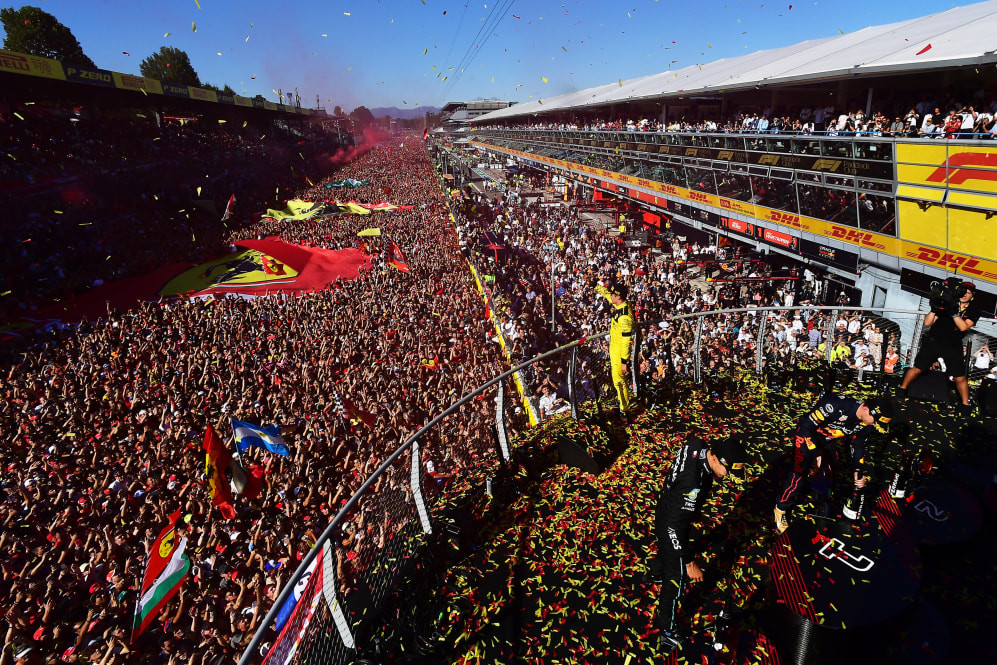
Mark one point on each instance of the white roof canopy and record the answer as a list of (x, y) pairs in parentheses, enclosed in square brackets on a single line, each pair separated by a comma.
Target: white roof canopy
[(958, 37)]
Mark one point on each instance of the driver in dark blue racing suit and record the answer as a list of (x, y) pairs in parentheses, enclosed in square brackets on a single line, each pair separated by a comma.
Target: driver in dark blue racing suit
[(834, 419)]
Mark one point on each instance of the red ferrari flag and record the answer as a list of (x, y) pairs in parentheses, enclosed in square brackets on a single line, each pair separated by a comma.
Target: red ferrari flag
[(396, 258)]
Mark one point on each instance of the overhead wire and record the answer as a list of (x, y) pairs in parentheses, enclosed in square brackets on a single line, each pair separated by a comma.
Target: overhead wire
[(473, 49)]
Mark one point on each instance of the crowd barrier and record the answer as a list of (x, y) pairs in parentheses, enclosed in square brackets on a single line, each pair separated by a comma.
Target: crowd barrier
[(354, 593)]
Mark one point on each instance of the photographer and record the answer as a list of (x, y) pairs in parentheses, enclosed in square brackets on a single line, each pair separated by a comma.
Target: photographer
[(952, 314)]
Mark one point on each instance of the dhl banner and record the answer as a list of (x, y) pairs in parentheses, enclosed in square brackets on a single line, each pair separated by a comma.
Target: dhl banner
[(952, 243), (20, 63)]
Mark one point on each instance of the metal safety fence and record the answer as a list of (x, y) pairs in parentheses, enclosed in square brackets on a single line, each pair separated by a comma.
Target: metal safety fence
[(357, 589)]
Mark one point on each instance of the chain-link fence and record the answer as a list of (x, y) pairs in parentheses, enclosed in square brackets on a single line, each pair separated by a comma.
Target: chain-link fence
[(359, 589)]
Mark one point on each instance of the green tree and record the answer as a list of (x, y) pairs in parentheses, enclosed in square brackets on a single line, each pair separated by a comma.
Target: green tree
[(172, 65), (227, 89), (35, 32)]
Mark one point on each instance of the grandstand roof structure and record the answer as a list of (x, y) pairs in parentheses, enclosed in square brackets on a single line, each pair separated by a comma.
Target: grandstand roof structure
[(958, 37)]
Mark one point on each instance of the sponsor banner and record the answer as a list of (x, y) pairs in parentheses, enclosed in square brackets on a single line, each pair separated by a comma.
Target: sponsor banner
[(270, 106), (951, 165), (738, 206), (920, 284), (970, 266), (702, 198), (176, 90), (704, 216), (778, 238), (243, 101), (262, 104), (90, 76), (136, 83), (202, 94), (828, 255), (33, 65), (224, 98), (738, 226)]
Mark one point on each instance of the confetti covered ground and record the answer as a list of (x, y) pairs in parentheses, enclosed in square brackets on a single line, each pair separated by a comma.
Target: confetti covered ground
[(549, 568)]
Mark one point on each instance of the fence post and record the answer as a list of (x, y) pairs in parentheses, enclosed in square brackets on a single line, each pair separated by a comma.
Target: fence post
[(760, 342), (635, 363), (500, 432), (829, 335), (696, 345), (329, 593), (416, 485), (572, 371)]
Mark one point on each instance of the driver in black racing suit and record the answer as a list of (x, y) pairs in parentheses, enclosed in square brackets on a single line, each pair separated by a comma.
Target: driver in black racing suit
[(689, 479)]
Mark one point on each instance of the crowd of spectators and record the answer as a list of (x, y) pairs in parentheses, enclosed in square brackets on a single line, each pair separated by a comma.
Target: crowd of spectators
[(550, 239), (91, 197), (927, 118), (102, 425)]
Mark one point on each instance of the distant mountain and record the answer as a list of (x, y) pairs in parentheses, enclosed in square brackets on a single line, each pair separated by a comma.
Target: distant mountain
[(406, 114)]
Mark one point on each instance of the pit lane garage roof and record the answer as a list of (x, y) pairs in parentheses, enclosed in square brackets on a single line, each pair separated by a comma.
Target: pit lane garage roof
[(957, 37)]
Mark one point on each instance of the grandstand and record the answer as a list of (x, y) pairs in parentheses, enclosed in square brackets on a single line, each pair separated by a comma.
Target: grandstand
[(275, 394)]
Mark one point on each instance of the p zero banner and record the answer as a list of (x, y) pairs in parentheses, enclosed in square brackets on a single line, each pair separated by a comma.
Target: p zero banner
[(832, 256), (102, 77), (176, 90), (33, 65), (951, 240)]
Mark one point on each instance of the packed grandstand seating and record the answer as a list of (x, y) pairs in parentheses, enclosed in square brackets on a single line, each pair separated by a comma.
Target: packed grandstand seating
[(927, 118)]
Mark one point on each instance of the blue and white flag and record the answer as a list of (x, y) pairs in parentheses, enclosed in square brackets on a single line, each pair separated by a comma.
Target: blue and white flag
[(247, 435)]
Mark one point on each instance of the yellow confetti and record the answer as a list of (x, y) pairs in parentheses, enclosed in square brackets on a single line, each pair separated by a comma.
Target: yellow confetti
[(218, 52), (621, 82), (543, 78), (58, 212), (425, 51), (247, 38), (12, 156), (324, 35), (244, 123), (221, 122), (167, 34), (346, 13), (193, 26), (18, 115), (198, 191), (197, 2)]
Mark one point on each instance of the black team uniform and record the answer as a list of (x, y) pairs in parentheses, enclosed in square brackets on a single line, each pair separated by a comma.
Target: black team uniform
[(689, 481)]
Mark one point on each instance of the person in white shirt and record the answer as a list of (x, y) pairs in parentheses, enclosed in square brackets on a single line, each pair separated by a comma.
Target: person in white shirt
[(983, 358)]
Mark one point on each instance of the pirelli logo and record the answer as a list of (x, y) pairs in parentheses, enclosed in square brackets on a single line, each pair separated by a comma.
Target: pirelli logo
[(964, 166)]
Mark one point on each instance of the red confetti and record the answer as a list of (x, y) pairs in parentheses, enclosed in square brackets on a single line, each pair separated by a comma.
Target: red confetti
[(924, 50)]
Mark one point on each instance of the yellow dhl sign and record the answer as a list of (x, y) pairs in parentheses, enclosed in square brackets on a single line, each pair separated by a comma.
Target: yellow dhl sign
[(941, 258)]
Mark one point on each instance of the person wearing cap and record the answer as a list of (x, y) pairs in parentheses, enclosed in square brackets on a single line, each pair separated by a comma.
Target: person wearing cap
[(833, 419), (947, 324), (621, 333), (695, 466)]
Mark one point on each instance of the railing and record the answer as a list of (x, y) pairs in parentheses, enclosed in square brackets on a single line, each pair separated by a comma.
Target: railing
[(406, 516)]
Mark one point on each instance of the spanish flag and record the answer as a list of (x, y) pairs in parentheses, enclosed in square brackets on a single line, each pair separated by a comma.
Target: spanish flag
[(396, 259), (217, 459)]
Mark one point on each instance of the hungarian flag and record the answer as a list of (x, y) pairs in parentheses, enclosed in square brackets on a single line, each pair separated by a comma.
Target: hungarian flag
[(217, 458), (165, 571), (228, 208), (397, 259)]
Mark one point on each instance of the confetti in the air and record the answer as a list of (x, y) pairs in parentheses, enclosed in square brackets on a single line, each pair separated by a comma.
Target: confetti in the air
[(924, 50), (193, 26)]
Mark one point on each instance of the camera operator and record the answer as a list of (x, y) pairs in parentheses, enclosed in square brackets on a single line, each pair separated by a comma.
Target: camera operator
[(952, 314)]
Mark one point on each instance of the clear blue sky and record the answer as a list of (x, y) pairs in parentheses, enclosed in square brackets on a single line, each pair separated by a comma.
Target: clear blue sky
[(383, 53)]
